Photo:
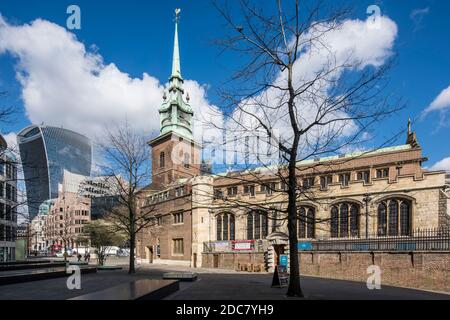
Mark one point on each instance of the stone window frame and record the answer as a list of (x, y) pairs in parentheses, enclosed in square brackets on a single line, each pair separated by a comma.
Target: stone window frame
[(257, 229), (345, 226), (227, 219), (178, 246), (394, 207), (178, 218), (306, 228)]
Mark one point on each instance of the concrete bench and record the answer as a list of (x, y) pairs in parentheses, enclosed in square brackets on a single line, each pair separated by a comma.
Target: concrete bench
[(135, 290), (181, 276), (25, 266), (19, 276)]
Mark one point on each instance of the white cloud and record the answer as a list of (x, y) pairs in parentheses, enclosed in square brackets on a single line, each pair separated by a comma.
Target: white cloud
[(11, 140), (66, 84), (444, 164), (441, 102)]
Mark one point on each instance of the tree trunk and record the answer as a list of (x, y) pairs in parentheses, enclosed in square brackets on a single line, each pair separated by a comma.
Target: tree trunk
[(294, 289), (132, 245)]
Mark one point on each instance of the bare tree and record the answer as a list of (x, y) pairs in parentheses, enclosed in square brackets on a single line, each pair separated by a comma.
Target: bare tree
[(126, 158), (303, 113), (102, 236)]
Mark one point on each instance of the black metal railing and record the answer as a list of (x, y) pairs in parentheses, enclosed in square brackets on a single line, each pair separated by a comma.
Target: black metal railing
[(419, 240)]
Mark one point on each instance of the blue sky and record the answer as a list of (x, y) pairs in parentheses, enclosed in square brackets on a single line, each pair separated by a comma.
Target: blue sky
[(136, 36)]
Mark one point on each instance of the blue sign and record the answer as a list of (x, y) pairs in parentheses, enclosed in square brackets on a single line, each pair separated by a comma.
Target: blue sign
[(304, 246), (283, 260)]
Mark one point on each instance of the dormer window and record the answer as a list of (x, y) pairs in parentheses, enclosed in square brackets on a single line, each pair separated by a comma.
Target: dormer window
[(344, 179), (363, 175), (383, 173)]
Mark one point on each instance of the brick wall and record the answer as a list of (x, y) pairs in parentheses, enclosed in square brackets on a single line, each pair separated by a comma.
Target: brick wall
[(422, 270)]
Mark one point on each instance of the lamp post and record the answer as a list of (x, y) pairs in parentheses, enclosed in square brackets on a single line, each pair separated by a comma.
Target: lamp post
[(367, 199)]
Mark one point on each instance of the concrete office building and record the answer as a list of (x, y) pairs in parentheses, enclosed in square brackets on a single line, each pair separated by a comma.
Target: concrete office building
[(8, 202)]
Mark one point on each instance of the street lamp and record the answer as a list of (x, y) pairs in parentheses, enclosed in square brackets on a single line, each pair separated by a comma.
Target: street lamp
[(367, 199)]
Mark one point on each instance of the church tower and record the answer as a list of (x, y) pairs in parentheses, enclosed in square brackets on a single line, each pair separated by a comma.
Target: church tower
[(175, 154)]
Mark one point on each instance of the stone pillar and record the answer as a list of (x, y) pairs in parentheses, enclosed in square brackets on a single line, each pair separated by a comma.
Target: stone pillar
[(202, 196)]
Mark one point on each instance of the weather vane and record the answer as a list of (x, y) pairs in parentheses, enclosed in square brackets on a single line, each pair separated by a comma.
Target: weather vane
[(177, 14)]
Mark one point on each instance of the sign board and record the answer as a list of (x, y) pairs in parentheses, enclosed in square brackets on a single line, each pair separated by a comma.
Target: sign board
[(280, 277), (221, 246), (242, 245), (304, 246), (283, 260)]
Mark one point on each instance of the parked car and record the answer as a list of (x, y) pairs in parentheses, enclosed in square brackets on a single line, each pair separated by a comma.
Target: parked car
[(111, 251), (60, 254), (123, 252)]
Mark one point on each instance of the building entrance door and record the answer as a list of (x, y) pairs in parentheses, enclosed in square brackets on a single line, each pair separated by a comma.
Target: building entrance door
[(278, 249), (195, 260), (216, 261)]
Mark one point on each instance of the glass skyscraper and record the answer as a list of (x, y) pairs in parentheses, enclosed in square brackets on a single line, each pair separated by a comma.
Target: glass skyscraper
[(46, 152)]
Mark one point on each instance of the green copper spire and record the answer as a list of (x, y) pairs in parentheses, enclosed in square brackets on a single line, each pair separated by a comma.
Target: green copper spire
[(175, 113), (176, 68)]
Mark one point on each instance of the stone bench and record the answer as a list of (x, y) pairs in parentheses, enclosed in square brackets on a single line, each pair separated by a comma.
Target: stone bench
[(135, 290), (181, 276)]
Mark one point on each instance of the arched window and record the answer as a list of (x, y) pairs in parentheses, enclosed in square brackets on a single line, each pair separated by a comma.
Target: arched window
[(354, 221), (257, 225), (382, 219), (219, 227), (306, 223), (250, 226), (302, 223), (405, 219), (393, 218), (225, 226), (334, 222), (232, 227), (311, 228), (162, 160), (345, 220)]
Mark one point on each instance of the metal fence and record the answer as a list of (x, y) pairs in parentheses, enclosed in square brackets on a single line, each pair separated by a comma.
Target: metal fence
[(419, 240)]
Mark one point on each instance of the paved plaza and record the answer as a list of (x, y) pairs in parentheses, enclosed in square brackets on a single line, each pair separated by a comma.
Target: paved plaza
[(212, 284)]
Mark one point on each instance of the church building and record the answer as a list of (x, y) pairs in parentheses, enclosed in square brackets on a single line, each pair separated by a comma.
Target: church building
[(227, 220)]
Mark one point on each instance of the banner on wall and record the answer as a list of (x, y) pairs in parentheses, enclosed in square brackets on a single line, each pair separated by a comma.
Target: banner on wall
[(244, 245)]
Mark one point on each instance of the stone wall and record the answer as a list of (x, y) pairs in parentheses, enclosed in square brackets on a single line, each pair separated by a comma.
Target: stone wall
[(422, 270)]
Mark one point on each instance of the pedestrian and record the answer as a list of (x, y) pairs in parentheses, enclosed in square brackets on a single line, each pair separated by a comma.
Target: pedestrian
[(79, 257), (88, 257), (85, 256)]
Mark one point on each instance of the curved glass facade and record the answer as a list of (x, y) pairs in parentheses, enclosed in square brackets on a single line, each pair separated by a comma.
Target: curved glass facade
[(46, 152)]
